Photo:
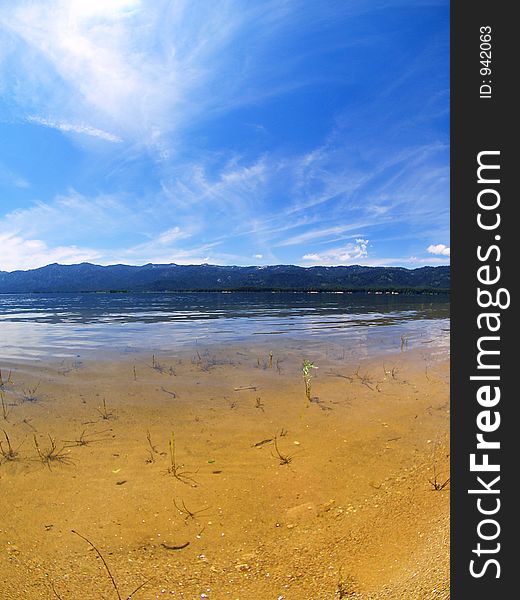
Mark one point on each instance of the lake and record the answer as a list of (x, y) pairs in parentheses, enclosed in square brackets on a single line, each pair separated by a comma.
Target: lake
[(46, 326)]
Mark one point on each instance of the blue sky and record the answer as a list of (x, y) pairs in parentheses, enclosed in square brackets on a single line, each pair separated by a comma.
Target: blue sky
[(225, 132)]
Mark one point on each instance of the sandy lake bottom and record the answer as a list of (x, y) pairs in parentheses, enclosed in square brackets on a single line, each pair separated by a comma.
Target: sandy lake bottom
[(208, 473)]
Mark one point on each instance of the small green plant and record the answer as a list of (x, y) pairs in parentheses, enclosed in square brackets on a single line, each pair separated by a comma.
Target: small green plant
[(307, 365)]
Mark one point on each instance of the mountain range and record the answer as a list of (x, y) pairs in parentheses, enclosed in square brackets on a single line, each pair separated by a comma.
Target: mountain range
[(87, 277)]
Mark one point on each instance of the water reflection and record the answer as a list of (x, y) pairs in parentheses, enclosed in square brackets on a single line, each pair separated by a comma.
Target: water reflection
[(64, 325)]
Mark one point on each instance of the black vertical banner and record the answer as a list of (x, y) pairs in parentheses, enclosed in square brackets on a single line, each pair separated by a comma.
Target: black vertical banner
[(485, 426)]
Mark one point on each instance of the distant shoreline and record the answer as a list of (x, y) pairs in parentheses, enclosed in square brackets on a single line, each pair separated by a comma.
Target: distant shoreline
[(172, 278), (372, 291)]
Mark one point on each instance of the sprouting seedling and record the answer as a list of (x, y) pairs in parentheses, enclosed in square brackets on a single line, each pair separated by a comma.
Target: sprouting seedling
[(404, 342), (5, 410), (189, 514), (8, 453), (105, 414), (85, 439), (156, 366), (52, 453), (175, 469), (436, 483), (342, 587), (152, 450), (307, 365), (3, 383), (30, 394), (285, 459)]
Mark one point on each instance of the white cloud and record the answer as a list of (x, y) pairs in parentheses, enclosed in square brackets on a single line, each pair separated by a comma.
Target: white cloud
[(20, 253), (258, 256), (339, 256), (439, 249)]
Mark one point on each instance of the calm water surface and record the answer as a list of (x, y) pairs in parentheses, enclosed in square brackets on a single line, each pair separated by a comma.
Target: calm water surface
[(40, 326)]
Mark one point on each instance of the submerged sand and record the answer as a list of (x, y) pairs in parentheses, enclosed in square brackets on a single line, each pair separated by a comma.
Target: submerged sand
[(343, 505)]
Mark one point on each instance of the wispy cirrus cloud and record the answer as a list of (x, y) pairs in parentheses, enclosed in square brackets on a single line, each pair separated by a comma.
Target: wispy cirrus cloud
[(10, 178), (138, 71), (343, 255), (75, 128), (318, 234), (227, 132), (70, 216), (123, 67)]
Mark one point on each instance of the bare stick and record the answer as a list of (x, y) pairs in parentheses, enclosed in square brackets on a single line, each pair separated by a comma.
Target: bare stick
[(104, 562), (5, 412), (172, 394), (139, 587), (55, 592), (175, 547)]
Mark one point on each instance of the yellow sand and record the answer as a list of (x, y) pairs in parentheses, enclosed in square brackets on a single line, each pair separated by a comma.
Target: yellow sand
[(343, 506)]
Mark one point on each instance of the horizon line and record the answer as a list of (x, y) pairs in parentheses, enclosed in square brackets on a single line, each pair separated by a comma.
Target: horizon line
[(223, 266)]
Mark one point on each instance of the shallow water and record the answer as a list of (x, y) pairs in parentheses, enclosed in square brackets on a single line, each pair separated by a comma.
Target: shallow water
[(275, 478), (42, 326)]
